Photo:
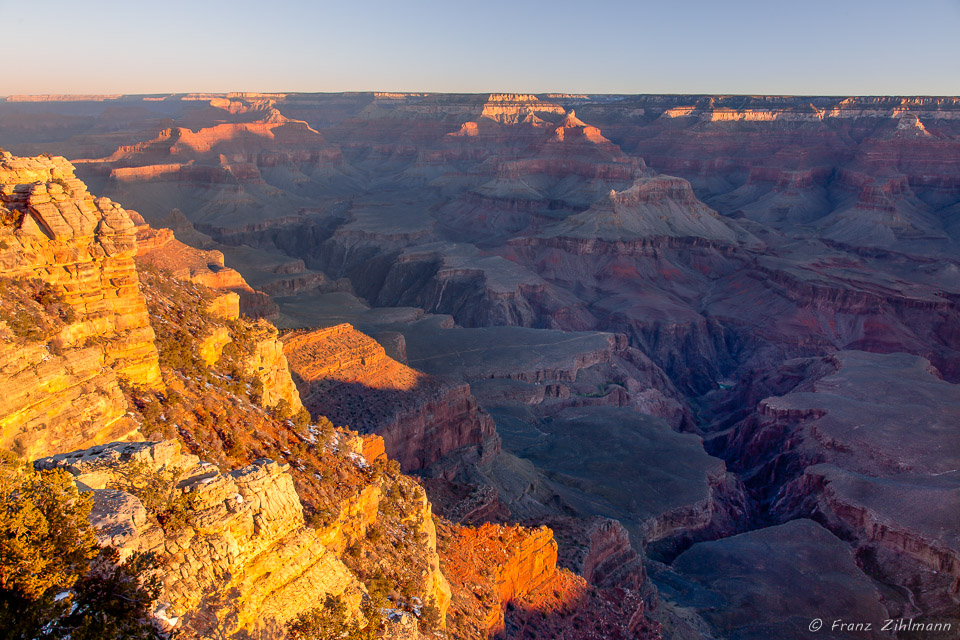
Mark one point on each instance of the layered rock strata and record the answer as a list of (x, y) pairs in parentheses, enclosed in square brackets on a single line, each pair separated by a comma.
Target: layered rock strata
[(244, 561), (423, 421), (864, 443), (62, 382), (159, 247)]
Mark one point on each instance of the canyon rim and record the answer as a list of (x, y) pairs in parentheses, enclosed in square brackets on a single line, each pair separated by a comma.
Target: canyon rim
[(513, 365)]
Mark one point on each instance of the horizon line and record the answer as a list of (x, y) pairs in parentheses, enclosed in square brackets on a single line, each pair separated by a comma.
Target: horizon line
[(85, 97)]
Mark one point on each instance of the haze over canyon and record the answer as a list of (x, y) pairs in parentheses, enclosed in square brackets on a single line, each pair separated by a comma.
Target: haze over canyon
[(507, 365)]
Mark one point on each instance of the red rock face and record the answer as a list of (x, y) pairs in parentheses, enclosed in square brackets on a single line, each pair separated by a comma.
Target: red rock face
[(425, 423), (721, 237), (508, 577), (863, 442), (159, 248)]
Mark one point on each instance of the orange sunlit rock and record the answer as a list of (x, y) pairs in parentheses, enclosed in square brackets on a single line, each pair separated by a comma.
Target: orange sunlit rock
[(348, 377), (343, 354), (507, 578)]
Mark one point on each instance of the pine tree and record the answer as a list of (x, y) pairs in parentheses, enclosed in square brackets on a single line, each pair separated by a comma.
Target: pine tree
[(55, 581)]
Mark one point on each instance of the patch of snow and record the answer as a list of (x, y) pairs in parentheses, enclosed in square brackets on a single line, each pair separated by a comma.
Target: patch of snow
[(160, 613), (359, 460)]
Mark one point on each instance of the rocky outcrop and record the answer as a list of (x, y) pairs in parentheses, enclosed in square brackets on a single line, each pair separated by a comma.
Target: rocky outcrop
[(354, 516), (507, 578), (436, 586), (598, 549), (373, 448), (211, 346), (531, 561), (159, 248), (657, 207), (225, 306), (269, 364), (424, 422), (503, 564), (863, 443), (83, 247), (59, 402), (243, 562), (362, 511), (61, 246)]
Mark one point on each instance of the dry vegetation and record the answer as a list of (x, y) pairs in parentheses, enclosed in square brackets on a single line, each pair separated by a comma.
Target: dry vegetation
[(32, 309), (216, 412)]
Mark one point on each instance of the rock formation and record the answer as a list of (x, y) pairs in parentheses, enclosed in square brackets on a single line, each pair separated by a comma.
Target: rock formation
[(243, 552), (722, 287), (159, 248), (77, 323), (507, 577), (599, 549), (238, 557), (709, 580), (243, 561), (863, 443), (424, 422)]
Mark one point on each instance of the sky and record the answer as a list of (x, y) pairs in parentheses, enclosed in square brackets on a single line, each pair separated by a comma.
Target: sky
[(807, 47)]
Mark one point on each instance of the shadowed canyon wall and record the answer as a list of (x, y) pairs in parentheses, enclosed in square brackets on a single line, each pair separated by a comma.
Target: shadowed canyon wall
[(725, 322)]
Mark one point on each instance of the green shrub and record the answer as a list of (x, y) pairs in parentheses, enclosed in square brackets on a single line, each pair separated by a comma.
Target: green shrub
[(282, 410), (321, 517), (378, 587), (33, 309), (113, 600), (177, 350), (430, 619), (45, 539), (256, 391), (54, 580), (331, 621), (302, 418), (157, 490), (63, 183)]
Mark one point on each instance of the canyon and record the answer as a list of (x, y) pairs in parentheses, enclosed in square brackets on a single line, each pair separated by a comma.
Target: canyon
[(697, 337), (254, 510)]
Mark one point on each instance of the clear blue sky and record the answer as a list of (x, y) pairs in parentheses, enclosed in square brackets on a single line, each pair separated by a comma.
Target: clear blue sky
[(689, 46)]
